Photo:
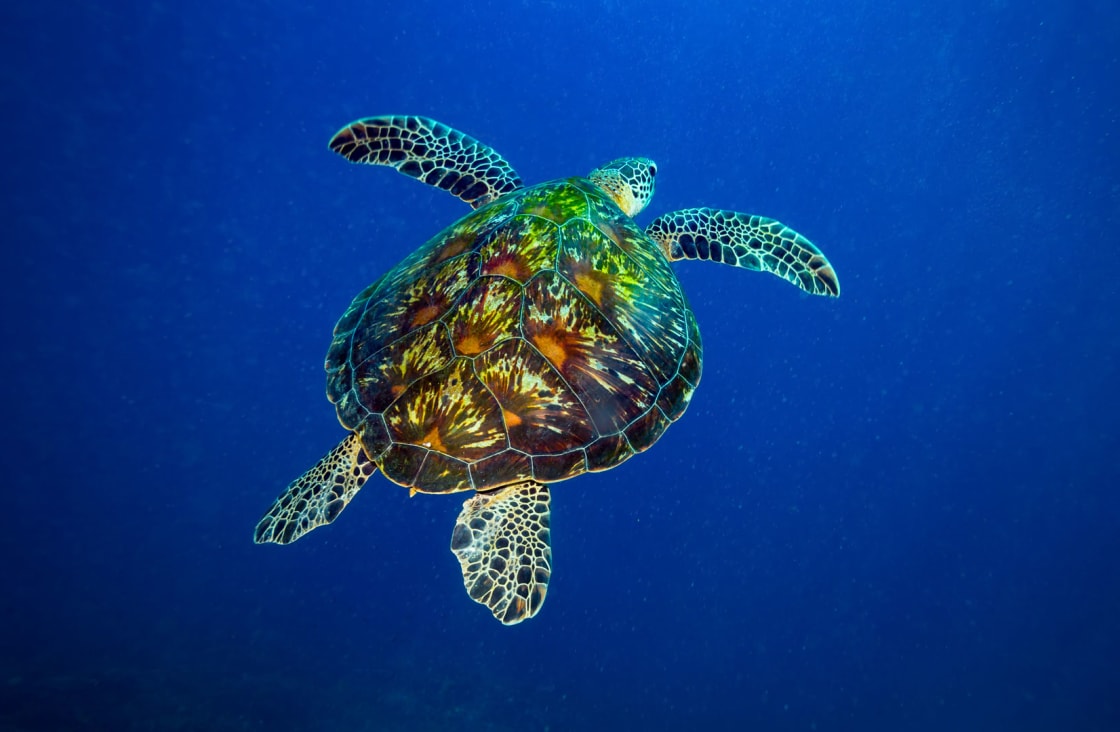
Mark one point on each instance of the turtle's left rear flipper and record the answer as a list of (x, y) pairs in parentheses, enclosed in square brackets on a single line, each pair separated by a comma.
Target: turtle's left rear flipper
[(317, 497), (503, 544)]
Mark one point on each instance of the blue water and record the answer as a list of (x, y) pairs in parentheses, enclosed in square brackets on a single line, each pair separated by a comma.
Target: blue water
[(895, 510)]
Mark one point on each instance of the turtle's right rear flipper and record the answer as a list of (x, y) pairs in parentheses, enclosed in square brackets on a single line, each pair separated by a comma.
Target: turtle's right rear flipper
[(317, 497), (431, 152)]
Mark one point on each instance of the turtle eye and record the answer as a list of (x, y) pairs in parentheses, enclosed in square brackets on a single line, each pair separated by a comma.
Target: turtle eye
[(653, 170)]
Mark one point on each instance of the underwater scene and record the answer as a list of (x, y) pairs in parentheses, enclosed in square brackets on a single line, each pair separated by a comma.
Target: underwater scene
[(711, 365)]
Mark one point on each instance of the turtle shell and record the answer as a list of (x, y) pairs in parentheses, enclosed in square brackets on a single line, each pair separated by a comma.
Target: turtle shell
[(542, 336)]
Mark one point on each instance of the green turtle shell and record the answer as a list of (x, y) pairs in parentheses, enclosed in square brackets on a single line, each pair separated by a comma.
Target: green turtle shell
[(542, 336)]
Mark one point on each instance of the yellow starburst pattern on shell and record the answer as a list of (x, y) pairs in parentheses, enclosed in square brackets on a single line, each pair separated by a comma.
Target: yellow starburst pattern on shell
[(451, 412)]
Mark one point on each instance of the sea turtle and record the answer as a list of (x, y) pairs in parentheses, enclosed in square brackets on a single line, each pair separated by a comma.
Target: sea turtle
[(540, 337)]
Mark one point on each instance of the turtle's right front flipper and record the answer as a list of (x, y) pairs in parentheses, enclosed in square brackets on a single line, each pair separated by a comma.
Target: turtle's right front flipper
[(747, 241), (431, 152), (317, 497)]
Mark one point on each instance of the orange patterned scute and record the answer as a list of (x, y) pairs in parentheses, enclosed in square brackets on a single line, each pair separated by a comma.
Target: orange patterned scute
[(613, 383), (630, 296), (406, 298), (489, 313), (547, 416), (449, 411), (385, 375), (523, 247)]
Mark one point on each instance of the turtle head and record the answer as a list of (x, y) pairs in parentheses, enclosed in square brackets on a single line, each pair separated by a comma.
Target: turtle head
[(628, 181)]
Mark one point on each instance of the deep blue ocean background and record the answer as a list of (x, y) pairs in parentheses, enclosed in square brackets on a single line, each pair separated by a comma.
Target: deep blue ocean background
[(893, 511)]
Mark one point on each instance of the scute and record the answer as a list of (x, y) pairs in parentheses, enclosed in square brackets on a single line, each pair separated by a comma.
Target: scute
[(508, 466), (559, 204), (450, 411), (386, 374), (505, 253), (542, 414), (631, 294), (490, 313), (613, 382)]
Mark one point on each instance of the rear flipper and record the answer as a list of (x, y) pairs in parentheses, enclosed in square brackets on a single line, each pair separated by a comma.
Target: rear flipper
[(503, 544), (317, 497)]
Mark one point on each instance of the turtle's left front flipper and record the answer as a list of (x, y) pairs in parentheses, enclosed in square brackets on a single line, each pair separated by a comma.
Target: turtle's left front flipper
[(743, 240), (431, 152), (504, 546)]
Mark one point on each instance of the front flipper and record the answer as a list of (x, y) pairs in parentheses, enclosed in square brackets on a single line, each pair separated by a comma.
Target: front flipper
[(430, 152), (317, 497), (743, 240), (503, 544)]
